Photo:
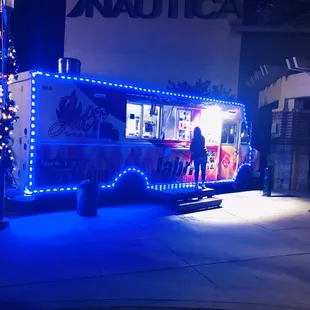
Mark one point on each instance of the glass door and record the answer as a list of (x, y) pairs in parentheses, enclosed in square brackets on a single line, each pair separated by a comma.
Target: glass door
[(228, 153)]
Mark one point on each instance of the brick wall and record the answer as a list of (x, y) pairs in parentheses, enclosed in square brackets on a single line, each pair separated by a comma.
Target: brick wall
[(289, 152), (294, 128), (291, 166)]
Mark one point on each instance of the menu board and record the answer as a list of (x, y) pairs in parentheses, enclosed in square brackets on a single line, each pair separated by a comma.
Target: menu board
[(184, 125)]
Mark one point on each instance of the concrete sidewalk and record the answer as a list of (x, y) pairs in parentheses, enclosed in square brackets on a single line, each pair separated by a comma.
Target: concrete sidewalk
[(254, 253)]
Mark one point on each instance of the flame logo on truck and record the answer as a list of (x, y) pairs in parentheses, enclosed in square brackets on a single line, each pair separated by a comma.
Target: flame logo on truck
[(69, 110), (73, 121)]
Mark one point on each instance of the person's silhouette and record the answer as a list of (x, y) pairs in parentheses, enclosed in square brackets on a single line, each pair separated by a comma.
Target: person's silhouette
[(199, 156)]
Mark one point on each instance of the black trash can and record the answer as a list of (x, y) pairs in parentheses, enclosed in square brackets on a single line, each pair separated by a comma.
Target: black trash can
[(268, 181), (87, 198), (69, 66)]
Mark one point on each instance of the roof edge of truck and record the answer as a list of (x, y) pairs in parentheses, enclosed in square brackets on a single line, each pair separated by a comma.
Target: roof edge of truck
[(147, 92)]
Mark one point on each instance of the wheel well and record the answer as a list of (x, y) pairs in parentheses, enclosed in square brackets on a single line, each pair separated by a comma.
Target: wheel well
[(244, 173), (131, 181)]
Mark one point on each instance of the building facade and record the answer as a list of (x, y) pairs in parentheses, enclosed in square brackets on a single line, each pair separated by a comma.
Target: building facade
[(153, 41), (289, 151)]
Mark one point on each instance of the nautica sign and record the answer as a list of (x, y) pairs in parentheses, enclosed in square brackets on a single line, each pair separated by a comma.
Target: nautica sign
[(137, 8)]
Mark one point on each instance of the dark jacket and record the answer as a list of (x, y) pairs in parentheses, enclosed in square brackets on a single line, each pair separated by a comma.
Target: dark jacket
[(198, 148)]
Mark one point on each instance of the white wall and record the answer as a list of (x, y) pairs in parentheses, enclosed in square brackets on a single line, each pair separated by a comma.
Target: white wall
[(290, 87), (152, 51)]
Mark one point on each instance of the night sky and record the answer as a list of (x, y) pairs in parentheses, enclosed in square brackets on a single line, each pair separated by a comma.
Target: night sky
[(38, 27)]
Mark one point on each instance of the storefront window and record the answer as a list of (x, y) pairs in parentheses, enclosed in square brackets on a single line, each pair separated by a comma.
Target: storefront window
[(133, 125), (229, 131)]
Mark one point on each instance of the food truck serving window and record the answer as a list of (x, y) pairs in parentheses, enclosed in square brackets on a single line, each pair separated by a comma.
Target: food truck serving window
[(142, 121), (168, 129), (245, 134), (184, 125), (229, 131), (177, 123)]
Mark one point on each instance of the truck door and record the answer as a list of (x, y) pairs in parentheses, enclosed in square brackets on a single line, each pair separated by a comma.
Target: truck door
[(228, 150)]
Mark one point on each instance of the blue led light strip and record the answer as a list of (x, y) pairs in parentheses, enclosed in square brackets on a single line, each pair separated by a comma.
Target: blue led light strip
[(175, 185), (32, 133), (159, 186), (53, 190), (136, 88), (128, 170)]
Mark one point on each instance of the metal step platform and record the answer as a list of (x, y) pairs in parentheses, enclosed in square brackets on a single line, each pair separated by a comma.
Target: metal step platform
[(188, 199)]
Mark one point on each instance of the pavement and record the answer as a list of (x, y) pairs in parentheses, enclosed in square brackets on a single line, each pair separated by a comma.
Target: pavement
[(253, 253)]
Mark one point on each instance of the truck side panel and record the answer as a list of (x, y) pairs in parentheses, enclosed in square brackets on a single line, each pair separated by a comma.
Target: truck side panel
[(74, 112), (67, 165), (21, 94)]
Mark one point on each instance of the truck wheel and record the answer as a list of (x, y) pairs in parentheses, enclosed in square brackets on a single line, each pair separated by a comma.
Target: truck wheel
[(244, 179)]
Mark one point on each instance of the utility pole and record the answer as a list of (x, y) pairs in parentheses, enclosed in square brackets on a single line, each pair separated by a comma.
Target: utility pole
[(7, 7)]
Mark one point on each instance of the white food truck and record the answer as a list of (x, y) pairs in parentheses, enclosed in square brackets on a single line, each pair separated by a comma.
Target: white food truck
[(73, 128)]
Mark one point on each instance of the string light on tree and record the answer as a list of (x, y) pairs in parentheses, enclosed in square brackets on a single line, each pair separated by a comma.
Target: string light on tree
[(8, 109), (8, 106), (8, 117), (12, 66)]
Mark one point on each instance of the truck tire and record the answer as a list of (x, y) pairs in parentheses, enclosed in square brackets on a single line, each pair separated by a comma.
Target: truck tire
[(244, 179)]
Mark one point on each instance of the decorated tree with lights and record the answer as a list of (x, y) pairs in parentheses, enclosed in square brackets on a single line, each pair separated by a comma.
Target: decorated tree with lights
[(7, 121), (12, 66), (8, 108)]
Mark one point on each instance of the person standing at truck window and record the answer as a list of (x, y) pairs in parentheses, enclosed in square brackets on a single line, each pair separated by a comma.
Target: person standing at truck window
[(199, 156)]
